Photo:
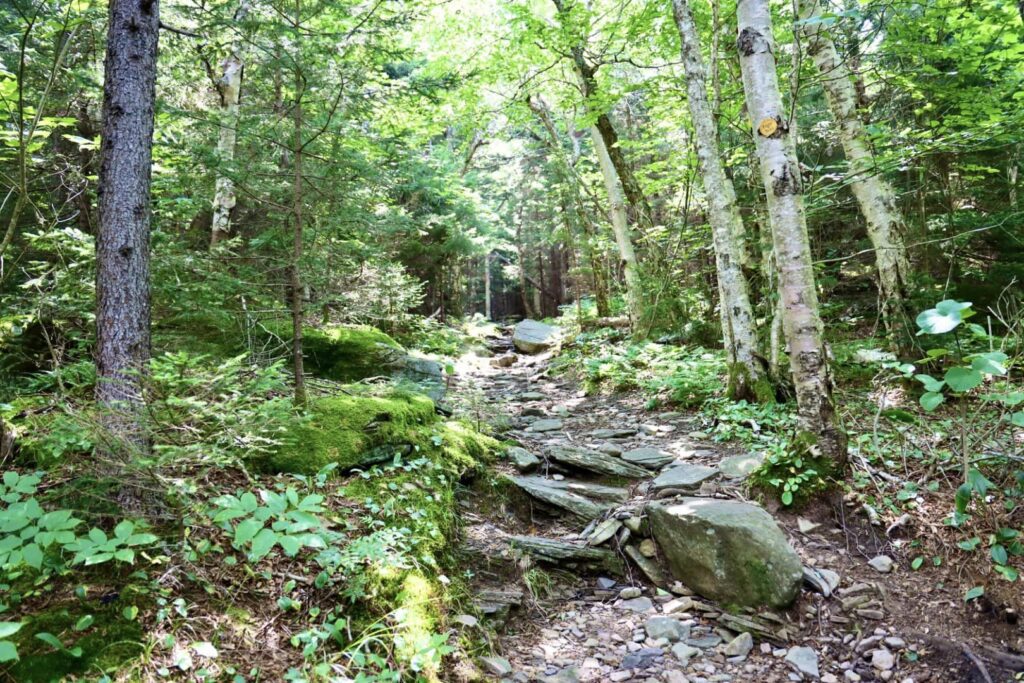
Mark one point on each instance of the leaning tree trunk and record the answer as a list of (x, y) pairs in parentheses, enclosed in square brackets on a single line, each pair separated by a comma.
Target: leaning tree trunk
[(122, 241), (780, 173), (874, 194), (620, 227), (229, 89), (747, 378)]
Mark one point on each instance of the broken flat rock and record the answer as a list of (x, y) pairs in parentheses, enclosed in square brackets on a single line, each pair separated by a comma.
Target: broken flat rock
[(547, 425), (604, 531), (647, 565), (596, 492), (740, 466), (554, 551), (521, 458), (683, 476), (559, 495), (651, 458), (619, 433), (596, 461)]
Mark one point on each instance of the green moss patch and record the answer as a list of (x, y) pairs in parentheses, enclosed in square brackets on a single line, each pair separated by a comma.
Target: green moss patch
[(100, 635), (347, 428), (347, 353)]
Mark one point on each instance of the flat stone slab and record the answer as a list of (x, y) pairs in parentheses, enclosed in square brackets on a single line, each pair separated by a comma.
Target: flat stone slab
[(683, 476), (558, 495), (559, 552), (651, 458), (531, 396), (619, 433), (532, 336), (596, 461), (740, 466), (521, 458), (547, 425)]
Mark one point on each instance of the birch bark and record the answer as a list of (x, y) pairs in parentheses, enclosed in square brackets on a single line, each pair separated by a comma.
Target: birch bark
[(229, 88), (747, 379), (620, 228), (874, 194), (780, 173)]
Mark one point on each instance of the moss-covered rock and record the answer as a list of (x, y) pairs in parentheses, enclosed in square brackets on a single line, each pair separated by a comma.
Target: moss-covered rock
[(347, 353), (103, 645), (354, 428)]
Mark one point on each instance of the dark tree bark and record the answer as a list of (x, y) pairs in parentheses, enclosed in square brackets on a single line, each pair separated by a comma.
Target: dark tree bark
[(294, 275), (122, 243)]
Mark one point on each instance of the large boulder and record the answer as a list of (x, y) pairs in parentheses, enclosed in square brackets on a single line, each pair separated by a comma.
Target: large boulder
[(531, 336), (728, 551)]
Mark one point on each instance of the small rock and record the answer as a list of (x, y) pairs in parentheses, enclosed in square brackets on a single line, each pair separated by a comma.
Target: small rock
[(521, 458), (881, 563), (550, 425), (895, 643), (677, 605), (642, 658), (498, 666), (648, 548), (609, 448), (740, 646), (851, 676), (883, 660), (630, 592), (466, 620), (829, 678), (666, 627), (638, 605), (804, 660), (504, 360), (806, 526), (684, 652), (606, 584)]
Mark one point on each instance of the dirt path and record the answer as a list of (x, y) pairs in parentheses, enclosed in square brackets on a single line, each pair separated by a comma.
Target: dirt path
[(562, 619)]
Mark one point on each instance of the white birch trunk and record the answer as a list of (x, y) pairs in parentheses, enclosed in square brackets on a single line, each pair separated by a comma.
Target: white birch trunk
[(746, 375), (780, 173), (487, 287), (620, 227), (229, 88), (873, 192)]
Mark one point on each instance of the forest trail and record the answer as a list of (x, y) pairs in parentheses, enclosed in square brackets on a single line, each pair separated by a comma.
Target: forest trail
[(567, 612)]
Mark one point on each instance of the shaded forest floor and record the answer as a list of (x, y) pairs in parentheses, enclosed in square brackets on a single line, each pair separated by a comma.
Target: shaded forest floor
[(579, 623)]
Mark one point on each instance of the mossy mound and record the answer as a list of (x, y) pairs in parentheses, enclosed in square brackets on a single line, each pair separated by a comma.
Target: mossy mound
[(103, 645), (353, 428), (346, 353)]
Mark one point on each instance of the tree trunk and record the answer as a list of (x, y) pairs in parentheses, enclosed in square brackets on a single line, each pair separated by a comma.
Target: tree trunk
[(747, 378), (780, 173), (873, 192), (487, 286), (295, 281), (122, 241), (229, 88), (620, 227)]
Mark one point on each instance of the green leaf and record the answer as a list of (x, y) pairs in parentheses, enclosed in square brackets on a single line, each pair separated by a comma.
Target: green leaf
[(262, 544), (930, 383), (124, 529), (9, 628), (8, 652), (84, 623), (126, 555), (970, 544), (1008, 573), (963, 379), (246, 531), (54, 642), (945, 317), (931, 400), (963, 498), (992, 363), (141, 539), (1017, 419), (205, 649), (978, 482), (998, 553), (787, 498), (290, 544), (33, 555), (974, 593), (916, 564)]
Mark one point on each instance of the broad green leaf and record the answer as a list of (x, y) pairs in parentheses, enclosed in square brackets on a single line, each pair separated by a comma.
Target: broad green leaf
[(1017, 419), (974, 593), (9, 628), (787, 498), (992, 363), (978, 482), (930, 383), (916, 564), (246, 531), (945, 317), (931, 400), (205, 649), (8, 651), (124, 529), (141, 539), (126, 555), (33, 555), (963, 379), (998, 553), (262, 544), (84, 623), (290, 544), (969, 544)]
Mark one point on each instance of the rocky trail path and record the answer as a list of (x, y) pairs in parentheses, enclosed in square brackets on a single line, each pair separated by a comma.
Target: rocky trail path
[(604, 507)]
